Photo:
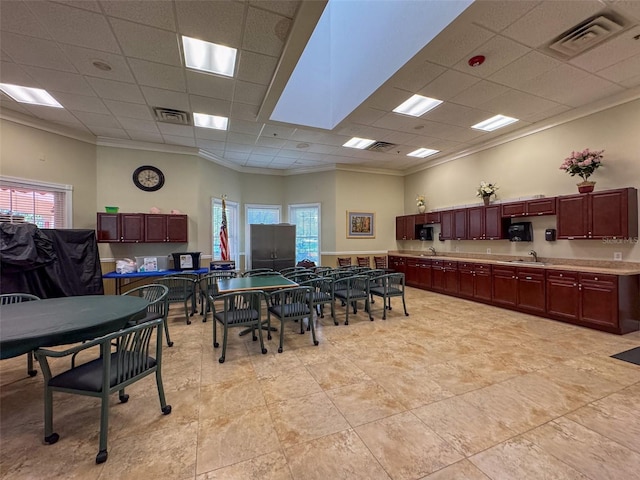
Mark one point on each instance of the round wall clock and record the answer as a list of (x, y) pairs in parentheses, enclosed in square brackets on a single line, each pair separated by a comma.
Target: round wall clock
[(148, 178)]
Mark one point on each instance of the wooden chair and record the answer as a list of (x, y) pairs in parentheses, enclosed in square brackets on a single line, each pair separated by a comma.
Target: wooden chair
[(129, 363), (380, 262), (344, 261), (363, 261), (8, 298)]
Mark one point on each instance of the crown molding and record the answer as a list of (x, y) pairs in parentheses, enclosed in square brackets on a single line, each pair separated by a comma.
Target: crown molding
[(151, 147), (57, 129)]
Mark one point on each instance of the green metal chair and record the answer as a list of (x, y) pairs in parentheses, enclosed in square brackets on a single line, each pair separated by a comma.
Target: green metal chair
[(321, 294), (351, 290), (291, 304), (181, 290), (129, 363), (255, 271), (237, 309), (157, 296), (8, 298), (208, 287), (388, 286)]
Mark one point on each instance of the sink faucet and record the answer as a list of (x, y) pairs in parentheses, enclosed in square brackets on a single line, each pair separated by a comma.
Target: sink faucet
[(432, 250), (534, 255)]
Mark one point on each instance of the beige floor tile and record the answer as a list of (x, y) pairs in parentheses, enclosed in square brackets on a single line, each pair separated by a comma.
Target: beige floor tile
[(595, 455), (336, 373), (523, 460), (225, 398), (465, 426), (463, 470), (364, 402), (413, 388), (272, 466), (296, 383), (305, 418), (401, 442), (340, 455)]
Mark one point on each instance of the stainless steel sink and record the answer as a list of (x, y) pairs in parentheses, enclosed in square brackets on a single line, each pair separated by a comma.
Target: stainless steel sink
[(522, 262)]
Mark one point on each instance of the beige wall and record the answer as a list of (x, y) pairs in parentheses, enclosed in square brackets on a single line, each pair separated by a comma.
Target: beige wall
[(35, 154), (530, 166)]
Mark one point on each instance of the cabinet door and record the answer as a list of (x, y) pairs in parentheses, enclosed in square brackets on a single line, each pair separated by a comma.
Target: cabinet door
[(573, 216), (437, 276), (155, 228), (397, 264), (514, 209), (451, 282), (541, 206), (476, 218), (599, 299), (433, 217), (177, 228), (531, 290), (460, 224), (410, 227), (563, 295), (411, 272), (424, 274), (108, 227), (494, 225), (132, 227), (466, 280), (482, 283), (446, 225), (505, 286), (400, 235), (609, 214)]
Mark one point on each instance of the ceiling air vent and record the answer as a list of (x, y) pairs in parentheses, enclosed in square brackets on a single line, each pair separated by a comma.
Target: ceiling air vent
[(380, 147), (168, 115), (586, 36)]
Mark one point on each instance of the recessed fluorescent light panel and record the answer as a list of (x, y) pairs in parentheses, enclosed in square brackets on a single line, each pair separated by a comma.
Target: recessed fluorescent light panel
[(422, 153), (360, 143), (33, 96), (494, 123), (210, 121), (209, 57), (417, 106)]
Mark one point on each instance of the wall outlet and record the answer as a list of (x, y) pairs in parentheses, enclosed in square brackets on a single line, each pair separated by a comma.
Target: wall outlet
[(617, 256), (488, 250)]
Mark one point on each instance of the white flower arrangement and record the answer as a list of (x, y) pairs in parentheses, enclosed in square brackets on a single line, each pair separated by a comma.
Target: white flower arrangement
[(420, 200), (486, 189)]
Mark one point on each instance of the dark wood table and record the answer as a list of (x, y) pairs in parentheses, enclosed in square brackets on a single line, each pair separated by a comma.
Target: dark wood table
[(27, 326)]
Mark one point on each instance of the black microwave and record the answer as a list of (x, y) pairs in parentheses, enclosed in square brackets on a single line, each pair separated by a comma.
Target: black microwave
[(426, 233), (520, 232)]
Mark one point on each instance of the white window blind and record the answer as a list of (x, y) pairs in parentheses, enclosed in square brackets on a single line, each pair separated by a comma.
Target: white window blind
[(46, 205)]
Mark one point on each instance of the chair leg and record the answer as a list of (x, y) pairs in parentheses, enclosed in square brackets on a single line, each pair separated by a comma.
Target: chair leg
[(32, 372), (166, 409), (166, 331), (50, 437), (405, 307), (104, 428), (313, 330), (224, 343), (281, 335), (262, 349), (186, 312)]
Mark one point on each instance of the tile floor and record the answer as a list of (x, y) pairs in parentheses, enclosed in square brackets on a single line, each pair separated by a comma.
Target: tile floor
[(457, 390)]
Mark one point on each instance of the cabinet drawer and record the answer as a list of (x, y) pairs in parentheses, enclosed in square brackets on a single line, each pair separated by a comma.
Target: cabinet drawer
[(598, 279), (514, 209), (562, 276), (450, 265), (543, 206), (530, 274)]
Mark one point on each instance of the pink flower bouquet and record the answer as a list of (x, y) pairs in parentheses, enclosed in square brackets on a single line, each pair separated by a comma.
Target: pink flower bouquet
[(582, 163)]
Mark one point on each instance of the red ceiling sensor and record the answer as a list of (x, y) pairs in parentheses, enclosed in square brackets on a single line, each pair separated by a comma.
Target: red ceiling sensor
[(476, 61)]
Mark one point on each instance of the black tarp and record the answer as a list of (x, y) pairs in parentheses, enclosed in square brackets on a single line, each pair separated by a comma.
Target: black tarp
[(49, 263)]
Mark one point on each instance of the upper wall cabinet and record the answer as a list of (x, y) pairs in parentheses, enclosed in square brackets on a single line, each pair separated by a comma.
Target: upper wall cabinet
[(610, 214), (406, 227), (141, 228), (526, 208)]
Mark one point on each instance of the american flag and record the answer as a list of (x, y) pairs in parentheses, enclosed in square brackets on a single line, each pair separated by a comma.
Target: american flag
[(224, 234)]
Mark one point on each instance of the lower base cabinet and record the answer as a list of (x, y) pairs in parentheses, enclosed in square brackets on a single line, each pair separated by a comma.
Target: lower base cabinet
[(601, 301)]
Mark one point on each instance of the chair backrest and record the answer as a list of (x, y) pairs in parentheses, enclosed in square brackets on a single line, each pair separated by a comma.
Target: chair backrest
[(180, 288), (271, 273), (363, 261), (250, 273), (292, 301), (8, 298), (209, 283), (301, 276), (380, 262), (344, 261), (287, 270), (155, 294), (238, 308)]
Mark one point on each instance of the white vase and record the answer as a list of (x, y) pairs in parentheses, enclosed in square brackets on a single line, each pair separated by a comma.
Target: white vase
[(421, 208)]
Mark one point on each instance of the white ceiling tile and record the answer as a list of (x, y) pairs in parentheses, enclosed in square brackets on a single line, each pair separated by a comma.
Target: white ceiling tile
[(499, 51), (630, 8), (413, 77), (266, 151), (546, 114), (178, 130), (518, 105), (149, 12), (549, 19), (210, 134), (211, 106), (242, 138), (265, 32), (176, 140), (80, 103), (270, 142), (222, 24), (109, 89), (129, 110), (238, 147), (144, 136), (610, 52), (453, 114), (97, 120), (34, 51), (625, 73), (257, 160), (479, 93), (85, 4), (498, 14), (250, 93), (210, 145), (280, 131), (147, 43), (455, 43), (363, 115), (242, 126), (52, 114), (109, 132), (243, 111), (387, 98), (149, 126), (520, 71), (286, 153), (158, 75), (156, 97), (17, 18), (287, 8), (15, 75), (208, 85), (83, 58), (75, 26), (60, 81), (448, 85), (7, 103), (256, 68), (236, 156)]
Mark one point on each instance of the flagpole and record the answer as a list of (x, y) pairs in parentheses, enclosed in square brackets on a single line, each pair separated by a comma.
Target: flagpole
[(224, 233)]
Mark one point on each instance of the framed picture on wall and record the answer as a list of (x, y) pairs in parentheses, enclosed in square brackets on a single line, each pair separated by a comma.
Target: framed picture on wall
[(361, 225)]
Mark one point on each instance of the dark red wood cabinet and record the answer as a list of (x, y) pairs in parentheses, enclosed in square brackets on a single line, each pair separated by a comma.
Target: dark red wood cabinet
[(411, 273), (486, 223), (397, 264), (165, 228), (141, 228), (406, 227), (460, 224), (609, 214), (418, 273), (475, 281), (527, 208), (437, 276), (446, 225), (531, 289), (505, 286)]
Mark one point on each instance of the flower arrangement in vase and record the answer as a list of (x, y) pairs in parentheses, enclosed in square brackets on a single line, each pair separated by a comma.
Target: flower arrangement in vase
[(485, 190), (420, 203), (583, 164)]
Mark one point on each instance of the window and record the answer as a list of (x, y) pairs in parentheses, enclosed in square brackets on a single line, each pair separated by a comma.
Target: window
[(268, 214), (232, 229), (307, 220), (47, 205)]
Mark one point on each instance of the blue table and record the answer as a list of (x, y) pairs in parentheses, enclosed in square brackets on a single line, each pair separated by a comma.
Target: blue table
[(119, 277)]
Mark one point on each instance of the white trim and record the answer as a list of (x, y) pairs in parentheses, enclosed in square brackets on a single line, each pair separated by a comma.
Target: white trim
[(317, 205)]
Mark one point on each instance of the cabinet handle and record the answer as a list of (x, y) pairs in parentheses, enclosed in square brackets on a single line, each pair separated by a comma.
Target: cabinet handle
[(513, 276), (595, 279), (527, 278), (575, 284)]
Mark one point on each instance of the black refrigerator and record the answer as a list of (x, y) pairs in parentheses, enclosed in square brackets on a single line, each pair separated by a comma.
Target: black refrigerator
[(273, 246)]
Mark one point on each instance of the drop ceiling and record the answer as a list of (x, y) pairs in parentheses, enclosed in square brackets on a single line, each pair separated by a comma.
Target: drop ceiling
[(54, 45)]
